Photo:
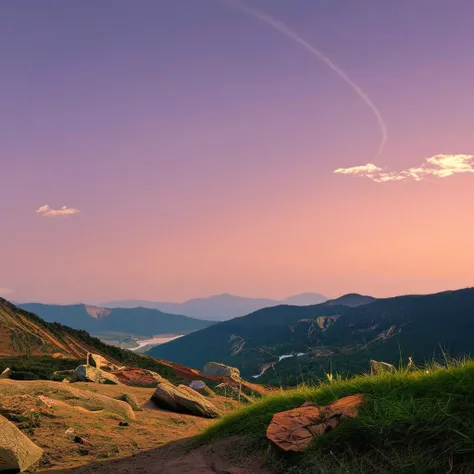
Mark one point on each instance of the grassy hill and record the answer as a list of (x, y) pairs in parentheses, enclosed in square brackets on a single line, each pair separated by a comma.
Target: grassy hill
[(97, 320), (332, 337), (414, 421), (28, 343)]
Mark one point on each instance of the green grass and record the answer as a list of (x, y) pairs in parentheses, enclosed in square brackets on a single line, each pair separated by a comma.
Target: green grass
[(414, 421)]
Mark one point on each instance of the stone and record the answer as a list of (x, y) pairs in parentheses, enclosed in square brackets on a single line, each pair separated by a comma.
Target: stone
[(87, 373), (140, 377), (198, 385), (123, 423), (96, 360), (183, 399), (214, 369), (17, 452), (6, 374), (377, 367), (294, 430), (130, 399)]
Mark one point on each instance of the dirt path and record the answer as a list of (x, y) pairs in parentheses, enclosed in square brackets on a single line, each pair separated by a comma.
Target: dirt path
[(179, 457)]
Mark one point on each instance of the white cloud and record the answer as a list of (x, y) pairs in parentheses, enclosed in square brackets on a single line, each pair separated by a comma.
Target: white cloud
[(5, 291), (440, 166), (46, 211)]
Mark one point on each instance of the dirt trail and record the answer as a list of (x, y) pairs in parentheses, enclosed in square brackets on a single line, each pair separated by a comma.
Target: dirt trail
[(180, 457)]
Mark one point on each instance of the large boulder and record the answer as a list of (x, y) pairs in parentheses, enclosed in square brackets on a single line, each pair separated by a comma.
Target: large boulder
[(183, 399), (87, 373), (214, 369), (17, 452), (96, 360), (294, 430), (377, 367)]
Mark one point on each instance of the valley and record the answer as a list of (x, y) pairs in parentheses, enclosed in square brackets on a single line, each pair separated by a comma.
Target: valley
[(333, 338)]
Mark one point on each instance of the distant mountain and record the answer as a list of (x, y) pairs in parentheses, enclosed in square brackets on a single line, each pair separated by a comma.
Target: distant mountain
[(351, 299), (220, 307), (97, 320), (332, 337)]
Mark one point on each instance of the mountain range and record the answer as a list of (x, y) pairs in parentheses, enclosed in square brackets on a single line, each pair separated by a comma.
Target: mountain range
[(97, 320), (220, 307), (333, 336)]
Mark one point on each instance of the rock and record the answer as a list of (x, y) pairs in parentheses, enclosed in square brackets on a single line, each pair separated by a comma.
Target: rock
[(183, 399), (198, 385), (214, 369), (70, 433), (139, 377), (381, 367), (123, 423), (6, 374), (66, 381), (96, 360), (87, 373), (17, 452), (294, 430), (130, 399)]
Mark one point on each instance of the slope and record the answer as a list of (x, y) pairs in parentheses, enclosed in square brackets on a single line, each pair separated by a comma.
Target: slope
[(413, 421), (29, 343), (97, 320), (331, 338)]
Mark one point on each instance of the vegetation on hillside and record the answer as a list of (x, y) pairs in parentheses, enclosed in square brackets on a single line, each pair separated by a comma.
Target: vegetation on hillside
[(338, 338), (414, 421), (50, 338), (136, 321)]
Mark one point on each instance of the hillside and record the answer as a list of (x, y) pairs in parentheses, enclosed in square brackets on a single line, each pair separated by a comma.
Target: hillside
[(98, 320), (29, 343), (220, 307), (413, 421), (329, 338)]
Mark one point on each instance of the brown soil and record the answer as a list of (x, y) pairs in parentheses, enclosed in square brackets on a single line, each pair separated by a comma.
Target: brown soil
[(179, 457), (157, 441)]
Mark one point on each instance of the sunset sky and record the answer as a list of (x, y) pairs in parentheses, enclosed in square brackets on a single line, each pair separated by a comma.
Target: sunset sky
[(170, 149)]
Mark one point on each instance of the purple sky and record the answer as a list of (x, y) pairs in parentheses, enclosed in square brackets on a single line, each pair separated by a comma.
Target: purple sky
[(199, 146)]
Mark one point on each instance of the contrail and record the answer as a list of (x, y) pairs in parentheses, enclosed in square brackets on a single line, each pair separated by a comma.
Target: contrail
[(282, 28)]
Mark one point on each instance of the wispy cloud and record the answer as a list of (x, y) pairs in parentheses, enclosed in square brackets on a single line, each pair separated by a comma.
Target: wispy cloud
[(5, 291), (440, 166), (46, 211)]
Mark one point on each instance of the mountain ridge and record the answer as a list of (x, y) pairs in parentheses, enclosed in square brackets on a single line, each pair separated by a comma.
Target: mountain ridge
[(333, 337), (97, 320), (220, 307)]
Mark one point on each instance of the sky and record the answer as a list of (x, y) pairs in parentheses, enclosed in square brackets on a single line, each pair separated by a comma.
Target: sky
[(172, 149)]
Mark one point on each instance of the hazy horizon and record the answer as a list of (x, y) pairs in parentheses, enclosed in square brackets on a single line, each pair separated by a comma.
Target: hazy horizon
[(174, 150)]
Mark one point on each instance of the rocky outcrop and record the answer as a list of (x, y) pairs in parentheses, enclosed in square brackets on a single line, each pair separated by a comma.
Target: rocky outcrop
[(96, 360), (87, 373), (294, 430), (377, 367), (134, 376), (214, 369), (183, 399), (17, 452)]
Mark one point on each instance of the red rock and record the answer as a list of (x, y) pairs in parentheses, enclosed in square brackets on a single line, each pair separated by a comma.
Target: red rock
[(294, 430)]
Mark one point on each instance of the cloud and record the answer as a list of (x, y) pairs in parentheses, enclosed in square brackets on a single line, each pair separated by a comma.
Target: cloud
[(5, 291), (46, 211), (440, 166)]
